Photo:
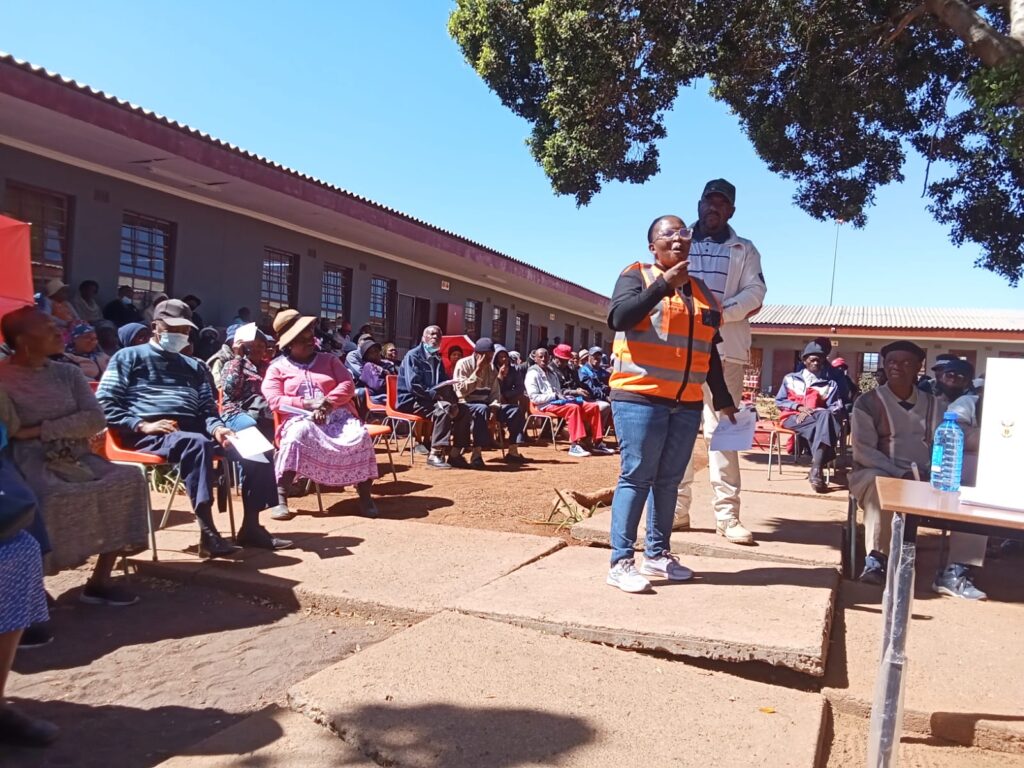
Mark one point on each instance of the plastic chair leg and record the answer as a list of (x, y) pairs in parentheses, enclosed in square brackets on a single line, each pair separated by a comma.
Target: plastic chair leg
[(170, 499), (851, 537), (226, 468), (391, 459)]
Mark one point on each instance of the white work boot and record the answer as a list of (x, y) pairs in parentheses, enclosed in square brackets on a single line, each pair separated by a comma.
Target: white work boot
[(681, 521), (734, 531)]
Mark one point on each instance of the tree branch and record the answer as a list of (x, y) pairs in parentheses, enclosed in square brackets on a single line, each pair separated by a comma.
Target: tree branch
[(1017, 20), (983, 41), (909, 18)]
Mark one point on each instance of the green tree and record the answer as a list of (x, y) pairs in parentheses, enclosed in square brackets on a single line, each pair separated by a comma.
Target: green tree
[(832, 94)]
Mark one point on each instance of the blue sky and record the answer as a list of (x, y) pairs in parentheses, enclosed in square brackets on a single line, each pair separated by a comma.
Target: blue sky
[(376, 98)]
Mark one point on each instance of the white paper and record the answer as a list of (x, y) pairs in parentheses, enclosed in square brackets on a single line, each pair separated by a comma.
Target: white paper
[(251, 443), (735, 437), (285, 408), (245, 333)]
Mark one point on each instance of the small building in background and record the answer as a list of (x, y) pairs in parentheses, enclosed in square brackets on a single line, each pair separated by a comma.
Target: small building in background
[(780, 332)]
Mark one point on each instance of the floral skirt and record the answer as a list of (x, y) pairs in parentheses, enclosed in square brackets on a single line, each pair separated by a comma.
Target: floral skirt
[(22, 599), (337, 453)]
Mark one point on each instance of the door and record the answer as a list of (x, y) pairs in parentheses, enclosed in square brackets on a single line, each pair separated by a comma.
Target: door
[(413, 317)]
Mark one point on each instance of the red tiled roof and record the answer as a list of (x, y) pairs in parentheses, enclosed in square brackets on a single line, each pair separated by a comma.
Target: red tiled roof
[(918, 318)]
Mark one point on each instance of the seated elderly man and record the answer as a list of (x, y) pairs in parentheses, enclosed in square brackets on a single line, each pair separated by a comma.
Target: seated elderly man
[(161, 402), (424, 389), (582, 418), (893, 427), (595, 378), (811, 404), (478, 384)]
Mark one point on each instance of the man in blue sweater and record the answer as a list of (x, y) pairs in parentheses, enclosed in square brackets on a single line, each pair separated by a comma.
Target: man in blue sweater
[(162, 402)]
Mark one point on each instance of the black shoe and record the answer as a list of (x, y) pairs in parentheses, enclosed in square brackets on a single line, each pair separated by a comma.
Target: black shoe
[(478, 463), (213, 545), (514, 458), (435, 461), (260, 538), (368, 509), (35, 636), (107, 594), (817, 480), (16, 728), (458, 462), (874, 568)]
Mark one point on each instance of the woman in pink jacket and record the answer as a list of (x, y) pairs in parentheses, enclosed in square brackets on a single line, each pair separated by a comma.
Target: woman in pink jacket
[(330, 446)]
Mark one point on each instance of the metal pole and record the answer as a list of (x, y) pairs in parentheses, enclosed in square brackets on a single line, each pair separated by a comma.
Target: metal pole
[(835, 256)]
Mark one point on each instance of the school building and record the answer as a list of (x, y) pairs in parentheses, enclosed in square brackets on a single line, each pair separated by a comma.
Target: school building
[(121, 195), (780, 332)]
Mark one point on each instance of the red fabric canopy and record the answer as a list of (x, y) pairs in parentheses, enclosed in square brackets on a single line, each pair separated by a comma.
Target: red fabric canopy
[(15, 265)]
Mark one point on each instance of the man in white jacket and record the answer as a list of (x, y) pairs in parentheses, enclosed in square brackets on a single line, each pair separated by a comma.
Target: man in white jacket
[(731, 267)]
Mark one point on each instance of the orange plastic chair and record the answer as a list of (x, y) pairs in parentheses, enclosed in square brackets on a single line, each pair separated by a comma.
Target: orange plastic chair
[(394, 415), (775, 434), (378, 431), (277, 444), (372, 409), (140, 460)]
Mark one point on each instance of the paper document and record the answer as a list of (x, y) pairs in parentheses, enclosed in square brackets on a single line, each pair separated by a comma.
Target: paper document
[(735, 437), (250, 443), (291, 409)]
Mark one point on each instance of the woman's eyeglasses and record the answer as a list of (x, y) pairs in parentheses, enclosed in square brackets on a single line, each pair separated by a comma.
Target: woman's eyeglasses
[(683, 233)]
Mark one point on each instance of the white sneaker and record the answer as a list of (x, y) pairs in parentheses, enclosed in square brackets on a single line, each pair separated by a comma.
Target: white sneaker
[(666, 567), (281, 512), (734, 531), (681, 523), (600, 449), (626, 577), (579, 451)]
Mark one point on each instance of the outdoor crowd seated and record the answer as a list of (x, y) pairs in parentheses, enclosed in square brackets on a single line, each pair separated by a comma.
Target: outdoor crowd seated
[(161, 402), (331, 446), (354, 358), (86, 505), (55, 300), (216, 361), (811, 404), (425, 389), (84, 352), (22, 597), (512, 386), (582, 418), (208, 343), (892, 429), (122, 310), (108, 336), (478, 386), (595, 378)]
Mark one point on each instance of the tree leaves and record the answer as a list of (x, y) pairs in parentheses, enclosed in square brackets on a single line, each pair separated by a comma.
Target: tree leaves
[(831, 94)]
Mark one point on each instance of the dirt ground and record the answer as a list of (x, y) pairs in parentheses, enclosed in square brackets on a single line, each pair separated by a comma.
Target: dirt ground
[(500, 498), (130, 687)]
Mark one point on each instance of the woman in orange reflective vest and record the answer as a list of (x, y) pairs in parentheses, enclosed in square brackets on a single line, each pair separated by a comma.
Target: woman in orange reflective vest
[(665, 352)]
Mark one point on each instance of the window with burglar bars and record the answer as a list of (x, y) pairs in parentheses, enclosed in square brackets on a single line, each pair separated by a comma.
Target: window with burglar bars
[(471, 312), (279, 283), (383, 293), (598, 339), (499, 325), (569, 336), (522, 329), (869, 362), (335, 292), (49, 214), (584, 338), (147, 253)]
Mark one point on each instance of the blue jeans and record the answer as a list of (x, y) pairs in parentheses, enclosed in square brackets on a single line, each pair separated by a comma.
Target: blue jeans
[(655, 443)]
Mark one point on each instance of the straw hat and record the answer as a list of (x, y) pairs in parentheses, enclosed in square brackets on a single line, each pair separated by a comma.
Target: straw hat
[(288, 324)]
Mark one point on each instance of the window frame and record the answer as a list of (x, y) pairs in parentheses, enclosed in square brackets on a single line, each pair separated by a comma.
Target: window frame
[(383, 326), (343, 308), (477, 307), (37, 236), (499, 324), (271, 304), (150, 286)]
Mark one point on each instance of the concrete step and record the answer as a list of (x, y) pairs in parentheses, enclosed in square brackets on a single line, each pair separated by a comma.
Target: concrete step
[(462, 692), (354, 564), (963, 673), (787, 529), (273, 738), (733, 610)]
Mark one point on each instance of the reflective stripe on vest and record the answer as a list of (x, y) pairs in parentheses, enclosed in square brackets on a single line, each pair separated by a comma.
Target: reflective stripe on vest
[(660, 357)]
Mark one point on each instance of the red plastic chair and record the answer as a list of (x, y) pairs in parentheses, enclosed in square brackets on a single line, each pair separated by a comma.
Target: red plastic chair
[(125, 457), (277, 444), (395, 415), (372, 409), (378, 431)]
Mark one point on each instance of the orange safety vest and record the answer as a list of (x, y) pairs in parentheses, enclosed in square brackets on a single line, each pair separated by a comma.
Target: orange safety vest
[(668, 354)]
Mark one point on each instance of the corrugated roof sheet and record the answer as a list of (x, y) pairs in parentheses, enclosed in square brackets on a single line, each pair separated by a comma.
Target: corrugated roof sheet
[(922, 318), (55, 77)]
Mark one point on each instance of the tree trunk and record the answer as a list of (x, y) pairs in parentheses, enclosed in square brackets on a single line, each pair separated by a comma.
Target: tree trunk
[(1017, 20), (981, 39)]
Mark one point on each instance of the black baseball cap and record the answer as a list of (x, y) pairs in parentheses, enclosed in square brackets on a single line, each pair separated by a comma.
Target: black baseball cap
[(722, 187)]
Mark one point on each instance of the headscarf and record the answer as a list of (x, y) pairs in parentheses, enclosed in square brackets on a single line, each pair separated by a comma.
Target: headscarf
[(80, 330), (126, 333)]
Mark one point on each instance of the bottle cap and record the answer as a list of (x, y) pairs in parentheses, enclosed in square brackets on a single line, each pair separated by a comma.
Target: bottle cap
[(950, 416)]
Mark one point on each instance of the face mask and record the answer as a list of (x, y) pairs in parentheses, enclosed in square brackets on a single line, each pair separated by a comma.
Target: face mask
[(126, 300), (431, 349), (173, 342)]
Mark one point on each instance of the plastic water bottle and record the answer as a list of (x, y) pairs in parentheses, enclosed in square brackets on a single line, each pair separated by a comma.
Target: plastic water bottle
[(947, 454)]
